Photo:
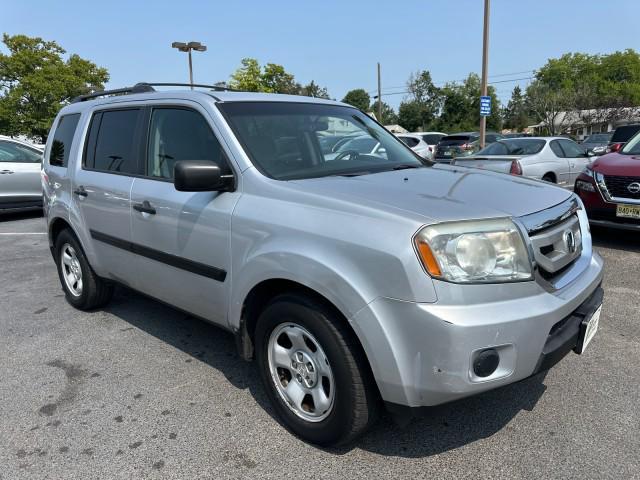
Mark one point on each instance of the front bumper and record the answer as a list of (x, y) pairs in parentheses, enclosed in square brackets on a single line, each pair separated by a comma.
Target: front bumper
[(422, 354)]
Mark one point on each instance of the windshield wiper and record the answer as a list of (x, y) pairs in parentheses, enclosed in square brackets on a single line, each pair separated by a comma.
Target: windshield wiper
[(405, 166)]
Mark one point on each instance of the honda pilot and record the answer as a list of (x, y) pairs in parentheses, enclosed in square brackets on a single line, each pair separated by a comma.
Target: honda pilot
[(355, 281)]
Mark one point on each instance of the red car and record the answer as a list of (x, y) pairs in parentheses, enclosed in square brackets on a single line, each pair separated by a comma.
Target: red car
[(610, 188)]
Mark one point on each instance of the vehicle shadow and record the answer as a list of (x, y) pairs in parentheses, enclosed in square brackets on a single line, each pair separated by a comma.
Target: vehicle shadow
[(443, 428), (616, 239), (20, 215)]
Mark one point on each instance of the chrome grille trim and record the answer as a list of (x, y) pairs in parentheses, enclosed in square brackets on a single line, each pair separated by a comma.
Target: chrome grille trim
[(553, 268), (609, 196)]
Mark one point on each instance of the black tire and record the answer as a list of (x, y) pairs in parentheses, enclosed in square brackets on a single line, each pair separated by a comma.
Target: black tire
[(356, 404), (547, 177), (95, 291)]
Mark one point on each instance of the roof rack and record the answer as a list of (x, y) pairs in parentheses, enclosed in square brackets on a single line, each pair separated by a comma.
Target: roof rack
[(145, 87)]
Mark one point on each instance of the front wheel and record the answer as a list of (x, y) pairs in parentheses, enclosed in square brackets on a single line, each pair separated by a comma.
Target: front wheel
[(314, 371)]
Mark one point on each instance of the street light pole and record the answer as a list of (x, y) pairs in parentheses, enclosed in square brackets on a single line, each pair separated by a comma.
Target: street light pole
[(190, 70), (379, 95), (187, 47), (485, 62)]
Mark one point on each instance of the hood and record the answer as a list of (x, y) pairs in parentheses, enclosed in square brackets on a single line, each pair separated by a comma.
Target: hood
[(618, 164), (441, 192)]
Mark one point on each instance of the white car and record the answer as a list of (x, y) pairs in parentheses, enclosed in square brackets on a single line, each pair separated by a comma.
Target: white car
[(20, 182), (415, 143), (431, 139), (552, 159)]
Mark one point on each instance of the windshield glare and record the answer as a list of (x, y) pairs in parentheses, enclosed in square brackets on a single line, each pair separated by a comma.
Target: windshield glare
[(514, 146), (633, 146), (285, 140)]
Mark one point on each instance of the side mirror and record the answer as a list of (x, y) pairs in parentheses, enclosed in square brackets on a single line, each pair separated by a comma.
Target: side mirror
[(200, 176), (590, 153)]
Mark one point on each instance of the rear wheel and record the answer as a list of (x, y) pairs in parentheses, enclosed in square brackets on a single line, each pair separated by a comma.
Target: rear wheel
[(82, 287), (548, 177), (314, 371)]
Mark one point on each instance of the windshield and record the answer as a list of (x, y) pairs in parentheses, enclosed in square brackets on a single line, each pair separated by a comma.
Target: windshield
[(283, 140), (633, 146), (598, 138), (513, 146)]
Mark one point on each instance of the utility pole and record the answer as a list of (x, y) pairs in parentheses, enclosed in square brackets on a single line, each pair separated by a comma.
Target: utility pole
[(379, 96), (485, 61)]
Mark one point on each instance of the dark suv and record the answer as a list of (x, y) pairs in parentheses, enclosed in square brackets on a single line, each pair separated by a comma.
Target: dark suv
[(622, 135), (610, 188), (461, 145)]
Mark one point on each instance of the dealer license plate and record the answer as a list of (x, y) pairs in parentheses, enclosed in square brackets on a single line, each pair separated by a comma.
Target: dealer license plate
[(588, 330)]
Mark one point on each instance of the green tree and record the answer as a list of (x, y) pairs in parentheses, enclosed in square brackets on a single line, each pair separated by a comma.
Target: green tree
[(389, 117), (36, 81), (272, 78), (359, 98), (276, 80), (420, 108), (590, 88), (461, 106), (312, 89), (515, 113), (248, 77), (410, 115)]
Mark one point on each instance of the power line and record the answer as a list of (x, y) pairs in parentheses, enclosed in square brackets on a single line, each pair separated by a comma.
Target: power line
[(386, 94), (443, 82)]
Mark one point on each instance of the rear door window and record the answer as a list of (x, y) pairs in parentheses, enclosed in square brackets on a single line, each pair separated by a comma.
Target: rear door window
[(555, 148), (113, 144), (62, 138), (571, 149)]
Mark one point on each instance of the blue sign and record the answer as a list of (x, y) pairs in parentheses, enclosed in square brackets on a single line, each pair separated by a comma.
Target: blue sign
[(485, 106)]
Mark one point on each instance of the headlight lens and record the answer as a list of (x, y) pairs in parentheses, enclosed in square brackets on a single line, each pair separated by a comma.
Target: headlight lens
[(486, 251)]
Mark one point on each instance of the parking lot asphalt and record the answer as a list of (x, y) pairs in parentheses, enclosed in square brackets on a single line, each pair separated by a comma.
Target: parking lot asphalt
[(139, 390)]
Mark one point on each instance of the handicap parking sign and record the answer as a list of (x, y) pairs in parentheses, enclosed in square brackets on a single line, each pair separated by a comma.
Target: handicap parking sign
[(485, 105)]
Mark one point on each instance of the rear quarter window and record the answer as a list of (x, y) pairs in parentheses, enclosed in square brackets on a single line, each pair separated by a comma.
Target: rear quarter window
[(62, 139)]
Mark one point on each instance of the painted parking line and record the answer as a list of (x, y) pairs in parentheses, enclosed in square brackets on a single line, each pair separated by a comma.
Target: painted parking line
[(23, 233)]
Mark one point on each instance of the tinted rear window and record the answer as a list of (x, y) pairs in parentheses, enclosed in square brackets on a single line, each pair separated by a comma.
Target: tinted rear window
[(112, 145), (623, 134), (62, 138), (410, 141), (457, 139), (431, 139)]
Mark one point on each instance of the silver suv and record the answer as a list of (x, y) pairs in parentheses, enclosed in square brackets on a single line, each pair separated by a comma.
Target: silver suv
[(356, 281)]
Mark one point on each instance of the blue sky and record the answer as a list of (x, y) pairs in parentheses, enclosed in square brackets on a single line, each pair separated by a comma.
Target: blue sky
[(335, 43)]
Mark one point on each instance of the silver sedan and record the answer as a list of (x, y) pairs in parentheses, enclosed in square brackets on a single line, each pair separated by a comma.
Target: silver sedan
[(20, 182), (553, 159)]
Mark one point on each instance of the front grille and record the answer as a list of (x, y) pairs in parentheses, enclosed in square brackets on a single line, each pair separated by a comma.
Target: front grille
[(617, 186), (557, 246)]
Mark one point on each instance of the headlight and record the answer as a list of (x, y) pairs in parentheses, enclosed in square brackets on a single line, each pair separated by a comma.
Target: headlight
[(485, 251), (586, 186)]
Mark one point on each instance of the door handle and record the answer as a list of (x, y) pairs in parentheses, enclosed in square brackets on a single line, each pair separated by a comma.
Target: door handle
[(6, 172), (81, 192), (144, 207)]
